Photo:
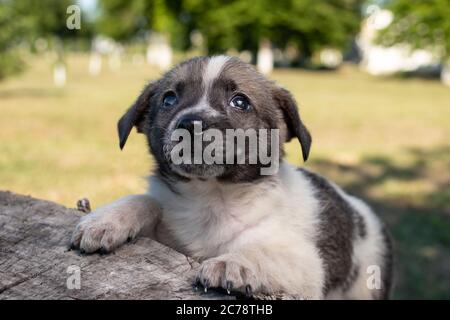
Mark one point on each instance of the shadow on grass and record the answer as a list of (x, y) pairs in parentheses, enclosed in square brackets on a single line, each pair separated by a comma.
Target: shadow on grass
[(417, 212)]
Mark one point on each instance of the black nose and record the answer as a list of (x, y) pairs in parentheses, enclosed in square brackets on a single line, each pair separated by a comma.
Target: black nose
[(189, 121)]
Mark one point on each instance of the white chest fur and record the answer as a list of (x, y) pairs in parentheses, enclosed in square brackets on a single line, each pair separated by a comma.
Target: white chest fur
[(208, 218)]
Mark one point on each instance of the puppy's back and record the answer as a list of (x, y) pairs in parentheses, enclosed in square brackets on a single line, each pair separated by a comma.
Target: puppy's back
[(354, 245)]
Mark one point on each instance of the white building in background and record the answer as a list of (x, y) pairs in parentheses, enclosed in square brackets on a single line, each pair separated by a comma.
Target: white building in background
[(445, 75), (330, 58), (95, 63), (379, 60), (265, 58), (103, 46), (59, 74), (159, 52)]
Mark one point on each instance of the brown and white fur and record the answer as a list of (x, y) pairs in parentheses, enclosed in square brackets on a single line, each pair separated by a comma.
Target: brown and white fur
[(292, 232)]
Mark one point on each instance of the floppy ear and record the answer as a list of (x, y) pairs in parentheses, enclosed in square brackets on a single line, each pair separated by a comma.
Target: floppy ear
[(295, 126), (134, 117)]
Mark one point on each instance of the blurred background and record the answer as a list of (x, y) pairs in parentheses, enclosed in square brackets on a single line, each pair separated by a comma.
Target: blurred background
[(372, 79)]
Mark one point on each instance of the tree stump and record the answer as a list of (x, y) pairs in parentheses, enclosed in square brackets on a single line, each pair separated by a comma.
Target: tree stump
[(35, 262)]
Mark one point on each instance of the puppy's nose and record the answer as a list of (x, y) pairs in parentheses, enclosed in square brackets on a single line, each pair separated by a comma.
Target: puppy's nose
[(189, 121)]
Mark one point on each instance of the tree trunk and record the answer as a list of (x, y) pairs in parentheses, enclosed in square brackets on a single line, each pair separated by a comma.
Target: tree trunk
[(36, 264)]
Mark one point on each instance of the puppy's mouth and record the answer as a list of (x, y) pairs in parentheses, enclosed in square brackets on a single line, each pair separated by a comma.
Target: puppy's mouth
[(193, 157), (190, 164), (198, 170)]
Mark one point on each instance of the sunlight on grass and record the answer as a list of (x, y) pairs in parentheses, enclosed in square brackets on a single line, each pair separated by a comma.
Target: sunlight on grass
[(61, 144), (384, 139)]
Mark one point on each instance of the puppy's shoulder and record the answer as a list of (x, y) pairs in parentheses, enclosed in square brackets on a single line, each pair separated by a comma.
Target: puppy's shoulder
[(304, 184), (336, 206)]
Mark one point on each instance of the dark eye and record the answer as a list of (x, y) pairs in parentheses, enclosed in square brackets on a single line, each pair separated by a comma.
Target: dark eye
[(240, 102), (170, 99)]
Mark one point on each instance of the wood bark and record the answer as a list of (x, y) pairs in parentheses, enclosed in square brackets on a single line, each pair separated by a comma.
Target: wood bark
[(35, 262)]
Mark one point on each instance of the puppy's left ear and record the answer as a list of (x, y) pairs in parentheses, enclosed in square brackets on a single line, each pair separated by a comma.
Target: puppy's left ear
[(295, 126), (134, 117)]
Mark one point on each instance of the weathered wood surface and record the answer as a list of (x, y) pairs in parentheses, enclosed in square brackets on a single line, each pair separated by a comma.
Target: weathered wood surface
[(34, 260)]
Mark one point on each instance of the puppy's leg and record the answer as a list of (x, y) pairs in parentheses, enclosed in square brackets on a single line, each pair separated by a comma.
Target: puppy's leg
[(109, 226), (265, 270)]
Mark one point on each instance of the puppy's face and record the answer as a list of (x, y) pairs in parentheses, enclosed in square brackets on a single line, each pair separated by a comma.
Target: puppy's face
[(217, 93)]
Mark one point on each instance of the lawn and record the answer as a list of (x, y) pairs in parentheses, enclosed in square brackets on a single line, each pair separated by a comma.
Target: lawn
[(385, 139)]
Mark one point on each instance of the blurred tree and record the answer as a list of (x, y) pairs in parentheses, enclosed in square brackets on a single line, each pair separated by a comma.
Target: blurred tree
[(308, 24), (121, 19), (421, 24), (239, 24), (11, 31), (47, 19), (128, 20), (22, 22)]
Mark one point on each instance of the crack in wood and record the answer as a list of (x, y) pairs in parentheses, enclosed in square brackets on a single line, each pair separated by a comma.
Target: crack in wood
[(20, 281)]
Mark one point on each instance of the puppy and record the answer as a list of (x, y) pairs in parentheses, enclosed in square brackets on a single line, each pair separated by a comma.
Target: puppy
[(289, 232)]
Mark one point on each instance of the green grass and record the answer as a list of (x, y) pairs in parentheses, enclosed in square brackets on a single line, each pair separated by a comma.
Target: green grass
[(385, 139)]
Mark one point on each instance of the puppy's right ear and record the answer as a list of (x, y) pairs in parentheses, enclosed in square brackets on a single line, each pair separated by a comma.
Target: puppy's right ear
[(135, 115)]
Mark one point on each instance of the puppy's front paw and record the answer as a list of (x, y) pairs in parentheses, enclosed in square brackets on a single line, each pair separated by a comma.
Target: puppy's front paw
[(101, 232), (231, 275)]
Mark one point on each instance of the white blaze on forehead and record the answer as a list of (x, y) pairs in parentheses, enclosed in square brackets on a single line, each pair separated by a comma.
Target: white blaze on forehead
[(213, 69)]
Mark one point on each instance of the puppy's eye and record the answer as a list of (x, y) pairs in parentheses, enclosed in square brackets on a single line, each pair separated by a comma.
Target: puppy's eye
[(240, 102), (170, 99)]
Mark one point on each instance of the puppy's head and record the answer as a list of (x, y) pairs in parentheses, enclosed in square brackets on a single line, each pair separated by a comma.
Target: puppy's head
[(217, 93)]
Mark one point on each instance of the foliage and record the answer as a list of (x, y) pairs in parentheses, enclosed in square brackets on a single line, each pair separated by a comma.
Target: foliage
[(47, 19), (43, 17), (308, 24), (421, 24), (130, 20), (24, 21), (12, 28), (238, 24)]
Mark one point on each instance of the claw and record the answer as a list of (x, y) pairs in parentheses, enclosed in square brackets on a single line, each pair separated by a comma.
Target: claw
[(229, 286), (197, 283), (248, 290), (206, 285)]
